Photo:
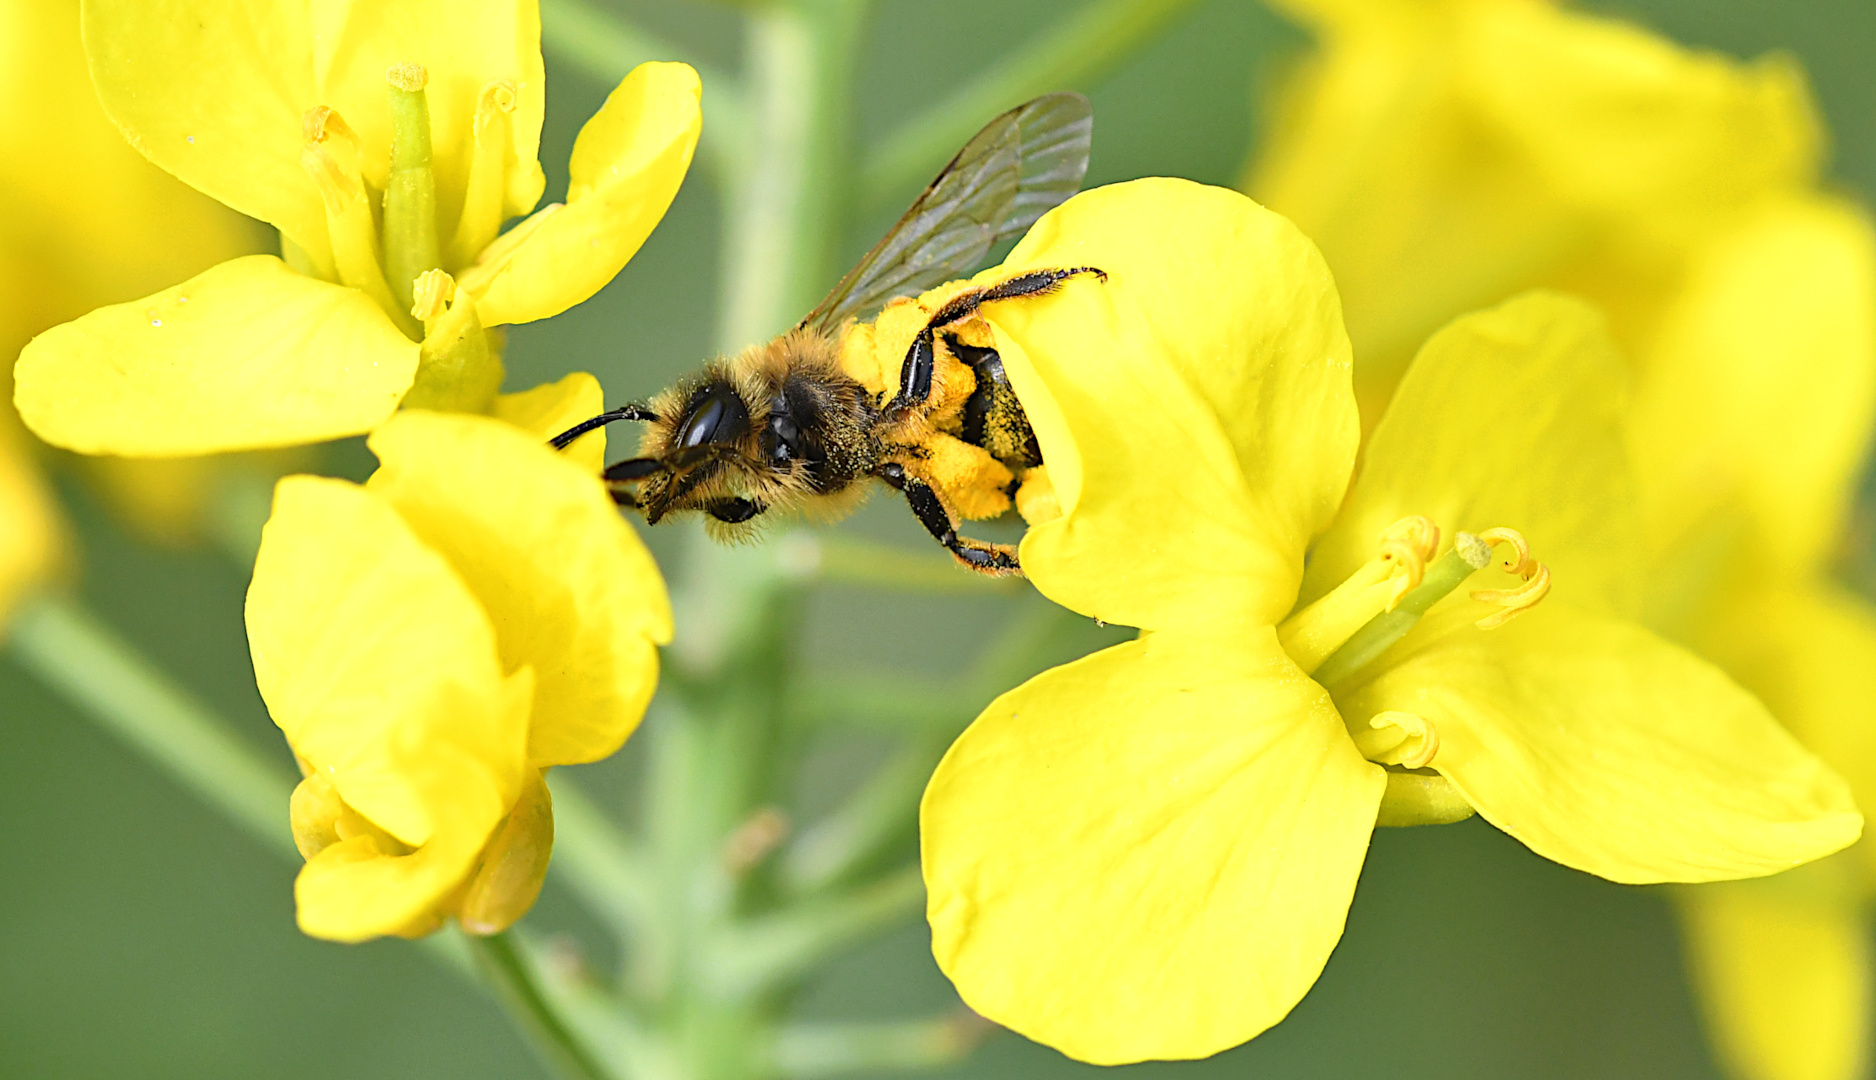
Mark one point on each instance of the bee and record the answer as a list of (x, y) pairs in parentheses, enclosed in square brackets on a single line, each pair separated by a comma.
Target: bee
[(807, 421)]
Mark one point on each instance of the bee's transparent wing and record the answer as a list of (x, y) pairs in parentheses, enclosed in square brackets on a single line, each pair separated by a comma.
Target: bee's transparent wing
[(1012, 172)]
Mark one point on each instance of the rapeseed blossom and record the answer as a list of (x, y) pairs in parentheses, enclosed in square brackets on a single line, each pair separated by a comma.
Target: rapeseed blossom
[(1150, 852), (431, 642), (388, 143), (1448, 154)]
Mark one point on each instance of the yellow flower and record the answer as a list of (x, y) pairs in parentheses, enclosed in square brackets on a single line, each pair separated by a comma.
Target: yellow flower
[(434, 640), (1149, 853), (387, 143), (1448, 153)]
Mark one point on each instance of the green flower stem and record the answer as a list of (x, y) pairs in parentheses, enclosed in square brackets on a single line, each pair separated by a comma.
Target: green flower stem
[(815, 1051), (763, 953), (87, 662), (1071, 53), (596, 859), (870, 822), (785, 206), (410, 241), (607, 47), (511, 975)]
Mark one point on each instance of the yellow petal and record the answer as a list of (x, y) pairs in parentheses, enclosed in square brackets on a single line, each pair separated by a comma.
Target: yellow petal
[(1194, 409), (463, 45), (1809, 652), (1759, 390), (213, 91), (1602, 747), (246, 355), (627, 165), (1510, 417), (571, 589), (1148, 853), (551, 408), (1784, 976), (377, 663)]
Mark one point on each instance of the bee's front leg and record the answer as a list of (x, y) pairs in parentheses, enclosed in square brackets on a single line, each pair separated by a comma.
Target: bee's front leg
[(997, 560)]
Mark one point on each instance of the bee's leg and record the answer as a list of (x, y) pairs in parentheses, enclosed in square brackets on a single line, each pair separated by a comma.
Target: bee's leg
[(915, 375), (996, 560), (620, 476)]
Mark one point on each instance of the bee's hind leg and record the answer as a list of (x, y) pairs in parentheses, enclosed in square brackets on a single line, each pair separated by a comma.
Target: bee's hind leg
[(996, 560)]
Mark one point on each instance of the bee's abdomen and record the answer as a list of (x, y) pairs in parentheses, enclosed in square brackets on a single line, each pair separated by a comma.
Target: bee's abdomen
[(993, 418)]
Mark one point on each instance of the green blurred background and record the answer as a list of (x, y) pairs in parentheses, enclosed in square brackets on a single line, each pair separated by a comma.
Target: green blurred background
[(141, 935)]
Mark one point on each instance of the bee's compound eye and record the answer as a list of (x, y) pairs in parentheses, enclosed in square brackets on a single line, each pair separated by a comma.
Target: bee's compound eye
[(733, 511), (715, 413)]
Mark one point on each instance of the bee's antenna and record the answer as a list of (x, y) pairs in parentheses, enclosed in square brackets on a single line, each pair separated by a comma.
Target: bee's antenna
[(623, 412)]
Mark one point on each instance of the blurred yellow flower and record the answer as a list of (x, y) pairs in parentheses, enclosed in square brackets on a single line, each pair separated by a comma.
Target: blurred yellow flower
[(89, 222), (434, 640), (387, 143), (1448, 153), (1195, 805)]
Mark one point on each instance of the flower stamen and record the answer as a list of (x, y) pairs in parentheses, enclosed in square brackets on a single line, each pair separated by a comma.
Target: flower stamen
[(1516, 601), (1399, 738), (1410, 544)]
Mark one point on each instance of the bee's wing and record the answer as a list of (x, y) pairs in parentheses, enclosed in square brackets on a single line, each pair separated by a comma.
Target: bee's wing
[(1012, 172)]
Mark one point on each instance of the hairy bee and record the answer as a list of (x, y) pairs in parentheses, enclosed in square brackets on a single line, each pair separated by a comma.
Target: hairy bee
[(800, 423)]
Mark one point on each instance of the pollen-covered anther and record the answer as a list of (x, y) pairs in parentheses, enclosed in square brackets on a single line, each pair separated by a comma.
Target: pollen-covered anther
[(498, 95), (431, 294), (1399, 738), (322, 122), (1409, 544), (1513, 602)]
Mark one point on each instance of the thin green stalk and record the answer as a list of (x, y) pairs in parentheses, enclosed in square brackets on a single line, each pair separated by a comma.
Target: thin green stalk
[(1071, 53), (86, 661), (103, 674), (785, 205), (762, 953), (595, 858), (816, 1051), (507, 972)]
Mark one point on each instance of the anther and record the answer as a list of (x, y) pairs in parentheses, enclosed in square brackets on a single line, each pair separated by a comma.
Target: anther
[(322, 122), (1513, 602), (1409, 543), (1399, 738), (431, 294)]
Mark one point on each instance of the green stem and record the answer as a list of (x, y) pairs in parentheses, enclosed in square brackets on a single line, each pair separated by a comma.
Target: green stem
[(786, 206), (1071, 53), (513, 980), (597, 860), (763, 953), (99, 671), (815, 1051), (103, 674)]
